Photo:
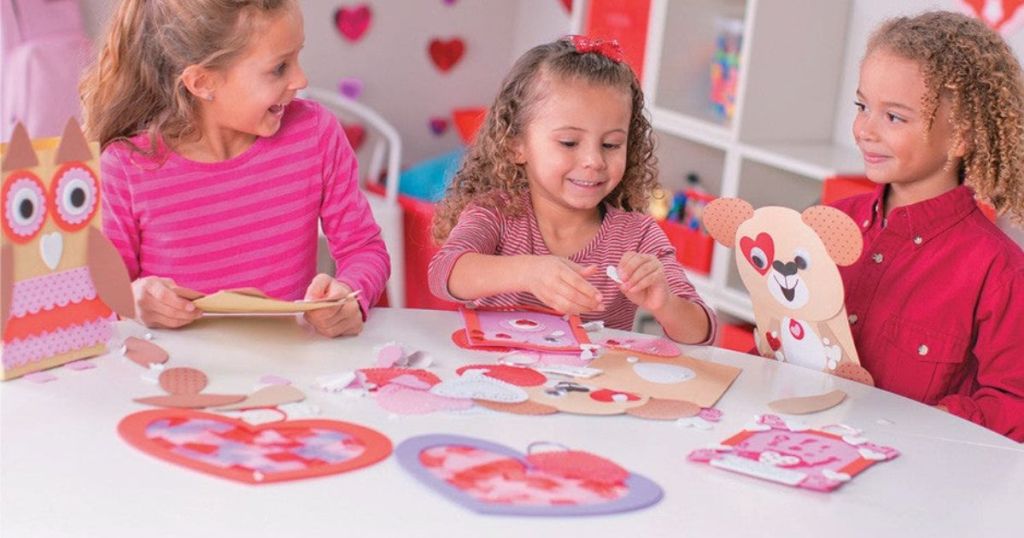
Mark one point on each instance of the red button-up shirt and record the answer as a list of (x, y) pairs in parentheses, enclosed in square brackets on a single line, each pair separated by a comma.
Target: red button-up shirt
[(936, 305)]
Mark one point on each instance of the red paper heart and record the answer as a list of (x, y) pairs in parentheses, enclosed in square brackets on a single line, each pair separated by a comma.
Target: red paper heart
[(765, 243), (355, 133), (773, 342), (999, 18), (445, 54), (568, 5), (352, 22), (274, 452)]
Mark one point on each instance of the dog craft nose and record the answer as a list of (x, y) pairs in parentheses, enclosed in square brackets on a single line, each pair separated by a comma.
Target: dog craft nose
[(786, 269)]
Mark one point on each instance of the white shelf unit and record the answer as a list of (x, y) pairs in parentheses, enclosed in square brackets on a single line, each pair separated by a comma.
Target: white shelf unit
[(778, 146)]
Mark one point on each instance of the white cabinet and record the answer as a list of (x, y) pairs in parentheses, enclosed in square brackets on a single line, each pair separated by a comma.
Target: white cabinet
[(778, 146)]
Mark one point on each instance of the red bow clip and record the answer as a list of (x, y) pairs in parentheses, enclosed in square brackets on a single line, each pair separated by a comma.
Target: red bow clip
[(609, 49)]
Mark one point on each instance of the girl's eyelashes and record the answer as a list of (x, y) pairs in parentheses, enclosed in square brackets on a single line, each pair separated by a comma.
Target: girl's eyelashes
[(893, 118), (568, 143), (890, 116), (860, 106), (609, 145), (281, 68)]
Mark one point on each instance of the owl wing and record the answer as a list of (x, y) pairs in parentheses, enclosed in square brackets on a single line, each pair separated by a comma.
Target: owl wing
[(6, 283), (109, 275)]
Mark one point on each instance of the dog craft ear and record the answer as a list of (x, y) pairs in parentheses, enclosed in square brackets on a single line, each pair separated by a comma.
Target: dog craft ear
[(723, 217), (837, 230)]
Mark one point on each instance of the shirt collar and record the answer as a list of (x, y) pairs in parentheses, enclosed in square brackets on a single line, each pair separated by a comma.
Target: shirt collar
[(928, 218)]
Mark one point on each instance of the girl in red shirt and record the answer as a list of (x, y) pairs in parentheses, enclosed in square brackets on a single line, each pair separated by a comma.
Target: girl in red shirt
[(936, 302), (549, 203)]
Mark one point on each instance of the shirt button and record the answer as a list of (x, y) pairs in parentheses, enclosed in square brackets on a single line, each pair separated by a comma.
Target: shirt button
[(918, 240), (922, 350), (877, 257), (865, 223), (853, 319)]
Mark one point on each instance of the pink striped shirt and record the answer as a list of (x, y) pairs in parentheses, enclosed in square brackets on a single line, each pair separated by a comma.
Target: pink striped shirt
[(486, 230), (250, 220)]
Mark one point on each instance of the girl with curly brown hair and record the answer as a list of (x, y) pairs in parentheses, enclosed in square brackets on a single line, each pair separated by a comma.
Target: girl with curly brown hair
[(936, 301), (548, 204)]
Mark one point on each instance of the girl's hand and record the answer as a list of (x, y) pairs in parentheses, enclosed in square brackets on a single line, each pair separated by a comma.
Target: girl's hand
[(344, 320), (643, 280), (156, 304), (562, 285)]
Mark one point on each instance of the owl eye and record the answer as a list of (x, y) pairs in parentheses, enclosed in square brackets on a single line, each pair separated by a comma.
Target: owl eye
[(76, 196), (24, 203)]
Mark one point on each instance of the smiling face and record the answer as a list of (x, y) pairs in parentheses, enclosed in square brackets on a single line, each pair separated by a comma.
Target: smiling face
[(891, 128), (574, 146), (784, 263), (250, 96)]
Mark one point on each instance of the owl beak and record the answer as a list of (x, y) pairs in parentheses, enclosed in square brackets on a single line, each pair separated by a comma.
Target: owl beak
[(51, 248)]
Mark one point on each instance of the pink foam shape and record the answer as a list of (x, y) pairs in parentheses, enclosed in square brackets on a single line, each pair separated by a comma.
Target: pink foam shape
[(407, 401), (271, 379), (40, 377), (80, 365), (389, 355), (410, 381)]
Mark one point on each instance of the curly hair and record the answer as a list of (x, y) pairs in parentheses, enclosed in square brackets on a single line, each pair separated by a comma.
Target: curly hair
[(965, 61), (489, 175)]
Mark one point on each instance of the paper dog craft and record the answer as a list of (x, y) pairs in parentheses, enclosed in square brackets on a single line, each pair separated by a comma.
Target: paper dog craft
[(787, 261), (61, 279)]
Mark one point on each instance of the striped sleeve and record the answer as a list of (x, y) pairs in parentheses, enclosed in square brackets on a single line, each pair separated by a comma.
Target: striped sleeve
[(478, 231), (655, 242), (353, 236), (119, 222)]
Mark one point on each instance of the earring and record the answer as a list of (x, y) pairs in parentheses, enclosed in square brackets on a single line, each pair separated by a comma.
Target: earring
[(208, 97)]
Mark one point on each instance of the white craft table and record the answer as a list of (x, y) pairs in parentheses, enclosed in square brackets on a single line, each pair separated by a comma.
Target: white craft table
[(64, 471)]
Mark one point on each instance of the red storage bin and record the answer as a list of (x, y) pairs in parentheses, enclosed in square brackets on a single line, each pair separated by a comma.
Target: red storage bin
[(693, 247), (737, 337), (838, 187), (417, 216)]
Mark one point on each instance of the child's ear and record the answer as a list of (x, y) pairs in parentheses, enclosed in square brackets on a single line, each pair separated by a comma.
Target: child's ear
[(518, 151), (199, 81)]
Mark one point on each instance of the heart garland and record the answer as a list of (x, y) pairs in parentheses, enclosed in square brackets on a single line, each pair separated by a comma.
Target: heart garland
[(352, 22), (446, 53)]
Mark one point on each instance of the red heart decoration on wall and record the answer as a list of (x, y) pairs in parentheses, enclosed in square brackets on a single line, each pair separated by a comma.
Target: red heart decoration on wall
[(233, 449), (568, 5), (355, 133), (445, 54), (352, 22), (998, 13)]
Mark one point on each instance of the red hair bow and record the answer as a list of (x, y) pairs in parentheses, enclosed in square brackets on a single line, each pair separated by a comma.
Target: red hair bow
[(608, 48)]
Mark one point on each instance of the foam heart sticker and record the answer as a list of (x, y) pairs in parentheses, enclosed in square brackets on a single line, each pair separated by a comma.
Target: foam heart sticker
[(759, 252), (446, 53), (233, 449), (438, 126), (355, 133), (493, 479), (352, 22), (1002, 15), (350, 87)]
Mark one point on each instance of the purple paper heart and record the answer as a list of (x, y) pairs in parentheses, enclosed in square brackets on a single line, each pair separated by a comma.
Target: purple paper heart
[(430, 458), (448, 2), (438, 125), (351, 87)]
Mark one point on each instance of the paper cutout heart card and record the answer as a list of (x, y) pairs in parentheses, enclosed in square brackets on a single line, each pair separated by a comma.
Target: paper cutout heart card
[(524, 327), (272, 452), (792, 454), (61, 280), (491, 478), (788, 263), (251, 301)]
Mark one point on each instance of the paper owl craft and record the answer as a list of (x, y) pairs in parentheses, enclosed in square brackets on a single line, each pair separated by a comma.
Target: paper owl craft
[(787, 261), (60, 280)]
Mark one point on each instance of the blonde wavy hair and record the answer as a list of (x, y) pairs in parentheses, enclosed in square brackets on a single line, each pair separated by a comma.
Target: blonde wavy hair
[(489, 176), (963, 59), (135, 83)]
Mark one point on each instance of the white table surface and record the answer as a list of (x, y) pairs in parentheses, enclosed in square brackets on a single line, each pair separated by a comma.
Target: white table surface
[(64, 471)]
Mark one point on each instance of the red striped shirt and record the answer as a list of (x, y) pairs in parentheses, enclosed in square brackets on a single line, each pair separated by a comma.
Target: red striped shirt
[(250, 220), (488, 231)]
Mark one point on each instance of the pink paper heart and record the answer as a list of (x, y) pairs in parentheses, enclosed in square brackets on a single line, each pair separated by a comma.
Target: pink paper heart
[(438, 126), (233, 449), (403, 400), (352, 22), (351, 87)]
